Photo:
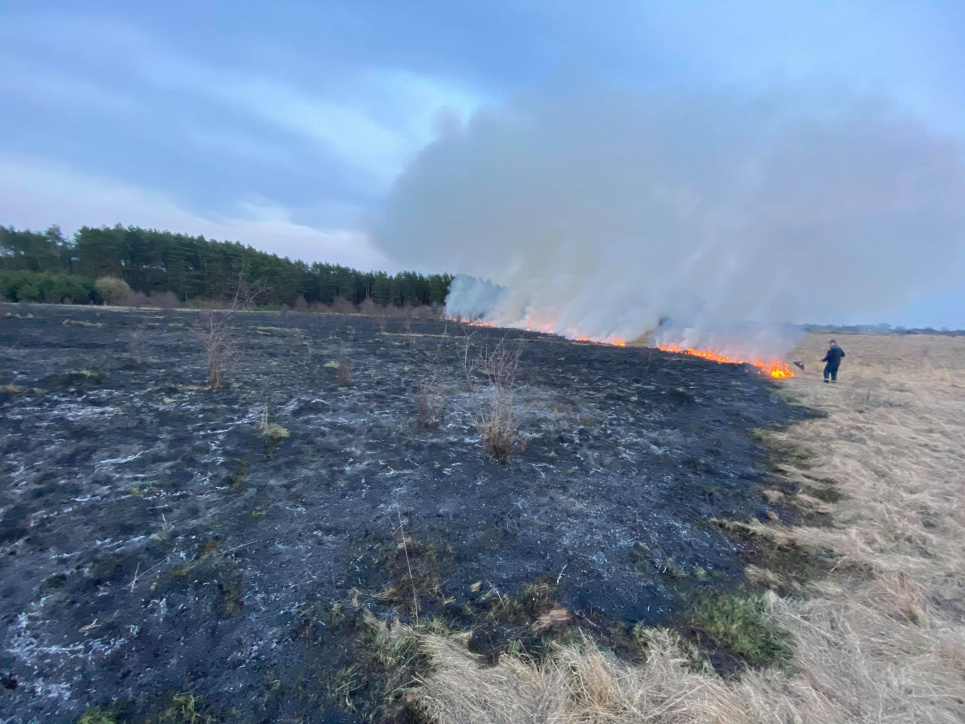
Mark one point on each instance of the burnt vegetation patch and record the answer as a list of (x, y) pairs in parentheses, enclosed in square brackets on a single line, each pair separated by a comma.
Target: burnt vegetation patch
[(272, 543)]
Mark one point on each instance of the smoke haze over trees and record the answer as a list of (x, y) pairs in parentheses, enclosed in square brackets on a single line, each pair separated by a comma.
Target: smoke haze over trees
[(45, 266)]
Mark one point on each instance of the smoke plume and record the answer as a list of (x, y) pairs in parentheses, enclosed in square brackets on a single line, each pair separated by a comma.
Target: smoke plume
[(600, 214)]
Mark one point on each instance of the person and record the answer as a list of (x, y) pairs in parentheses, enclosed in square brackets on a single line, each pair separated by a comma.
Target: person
[(833, 359)]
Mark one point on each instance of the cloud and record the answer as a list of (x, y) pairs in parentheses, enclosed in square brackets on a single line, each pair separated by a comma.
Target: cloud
[(602, 211), (37, 193)]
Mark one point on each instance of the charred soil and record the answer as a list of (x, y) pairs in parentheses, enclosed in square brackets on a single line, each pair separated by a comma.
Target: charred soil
[(161, 540)]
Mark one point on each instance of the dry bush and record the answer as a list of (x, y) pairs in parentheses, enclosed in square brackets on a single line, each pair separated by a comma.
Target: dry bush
[(428, 401), (214, 332), (113, 290), (343, 373), (271, 431), (137, 344), (343, 306), (370, 308), (887, 645), (494, 409), (301, 304), (495, 420)]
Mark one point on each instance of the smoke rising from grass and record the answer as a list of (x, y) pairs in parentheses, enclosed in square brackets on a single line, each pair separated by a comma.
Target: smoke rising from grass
[(603, 212)]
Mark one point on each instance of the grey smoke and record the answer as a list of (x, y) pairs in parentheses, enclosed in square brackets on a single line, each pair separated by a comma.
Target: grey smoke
[(602, 212)]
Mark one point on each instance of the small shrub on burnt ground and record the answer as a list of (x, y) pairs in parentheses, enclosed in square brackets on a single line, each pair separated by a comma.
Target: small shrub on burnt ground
[(96, 715), (742, 627), (299, 345), (165, 301), (429, 404), (185, 708), (214, 331), (494, 410), (272, 432), (137, 344), (343, 372), (388, 663), (429, 396), (495, 420), (240, 475), (81, 378)]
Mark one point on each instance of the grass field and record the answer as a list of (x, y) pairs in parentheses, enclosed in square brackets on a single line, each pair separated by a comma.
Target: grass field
[(878, 637)]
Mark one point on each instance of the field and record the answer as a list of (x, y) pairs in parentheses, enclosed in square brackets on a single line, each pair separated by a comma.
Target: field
[(315, 540), (879, 636)]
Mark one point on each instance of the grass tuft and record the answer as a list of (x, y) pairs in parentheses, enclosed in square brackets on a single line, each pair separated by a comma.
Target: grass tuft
[(96, 715), (743, 627)]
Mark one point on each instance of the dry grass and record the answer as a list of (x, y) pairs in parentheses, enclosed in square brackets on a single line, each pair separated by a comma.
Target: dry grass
[(880, 639), (343, 373), (494, 408)]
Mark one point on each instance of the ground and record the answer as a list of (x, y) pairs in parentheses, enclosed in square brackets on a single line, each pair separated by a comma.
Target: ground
[(877, 634), (159, 539)]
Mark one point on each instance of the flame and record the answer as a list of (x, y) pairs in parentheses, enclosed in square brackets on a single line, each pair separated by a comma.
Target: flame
[(547, 328), (776, 369)]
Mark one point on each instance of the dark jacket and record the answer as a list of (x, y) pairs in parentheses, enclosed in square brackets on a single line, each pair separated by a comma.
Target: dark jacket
[(834, 355)]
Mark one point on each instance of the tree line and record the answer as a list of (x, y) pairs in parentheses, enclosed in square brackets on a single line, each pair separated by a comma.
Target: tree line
[(48, 267)]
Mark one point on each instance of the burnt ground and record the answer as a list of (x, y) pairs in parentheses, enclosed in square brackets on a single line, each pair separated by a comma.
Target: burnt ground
[(151, 542)]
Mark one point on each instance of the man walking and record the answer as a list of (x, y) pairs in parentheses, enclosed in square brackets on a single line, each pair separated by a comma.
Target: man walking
[(833, 359)]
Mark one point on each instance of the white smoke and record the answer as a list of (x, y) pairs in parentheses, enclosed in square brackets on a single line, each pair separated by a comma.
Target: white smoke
[(602, 213)]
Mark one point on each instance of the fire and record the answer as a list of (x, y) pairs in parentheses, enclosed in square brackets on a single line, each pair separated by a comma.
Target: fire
[(776, 369), (548, 329)]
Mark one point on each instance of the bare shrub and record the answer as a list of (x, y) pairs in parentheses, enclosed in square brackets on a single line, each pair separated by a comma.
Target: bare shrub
[(343, 306), (495, 421), (299, 344), (319, 308), (137, 344), (301, 304), (163, 300), (113, 290), (136, 300), (424, 312), (428, 400), (494, 409), (343, 373), (214, 332), (271, 431), (370, 308)]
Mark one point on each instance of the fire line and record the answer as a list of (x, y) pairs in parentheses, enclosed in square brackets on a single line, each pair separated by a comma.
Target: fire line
[(777, 370)]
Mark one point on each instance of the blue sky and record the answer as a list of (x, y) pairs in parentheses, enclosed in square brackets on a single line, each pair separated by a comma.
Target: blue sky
[(284, 124)]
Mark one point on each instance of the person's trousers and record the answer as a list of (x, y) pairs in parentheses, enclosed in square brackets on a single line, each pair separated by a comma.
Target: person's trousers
[(831, 371)]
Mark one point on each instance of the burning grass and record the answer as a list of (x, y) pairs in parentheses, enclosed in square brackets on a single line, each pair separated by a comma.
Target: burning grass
[(774, 368)]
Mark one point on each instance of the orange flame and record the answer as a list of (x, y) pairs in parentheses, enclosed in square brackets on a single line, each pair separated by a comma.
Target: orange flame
[(776, 369)]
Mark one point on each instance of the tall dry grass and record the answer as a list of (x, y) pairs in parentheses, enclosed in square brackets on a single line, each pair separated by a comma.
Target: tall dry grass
[(881, 638)]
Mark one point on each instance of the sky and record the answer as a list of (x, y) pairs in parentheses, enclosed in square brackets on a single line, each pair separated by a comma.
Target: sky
[(286, 125)]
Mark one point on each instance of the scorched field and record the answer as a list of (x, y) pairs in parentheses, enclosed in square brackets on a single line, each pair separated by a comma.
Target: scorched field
[(172, 552)]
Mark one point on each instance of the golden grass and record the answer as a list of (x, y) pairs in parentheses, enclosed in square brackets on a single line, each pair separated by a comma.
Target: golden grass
[(880, 639)]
